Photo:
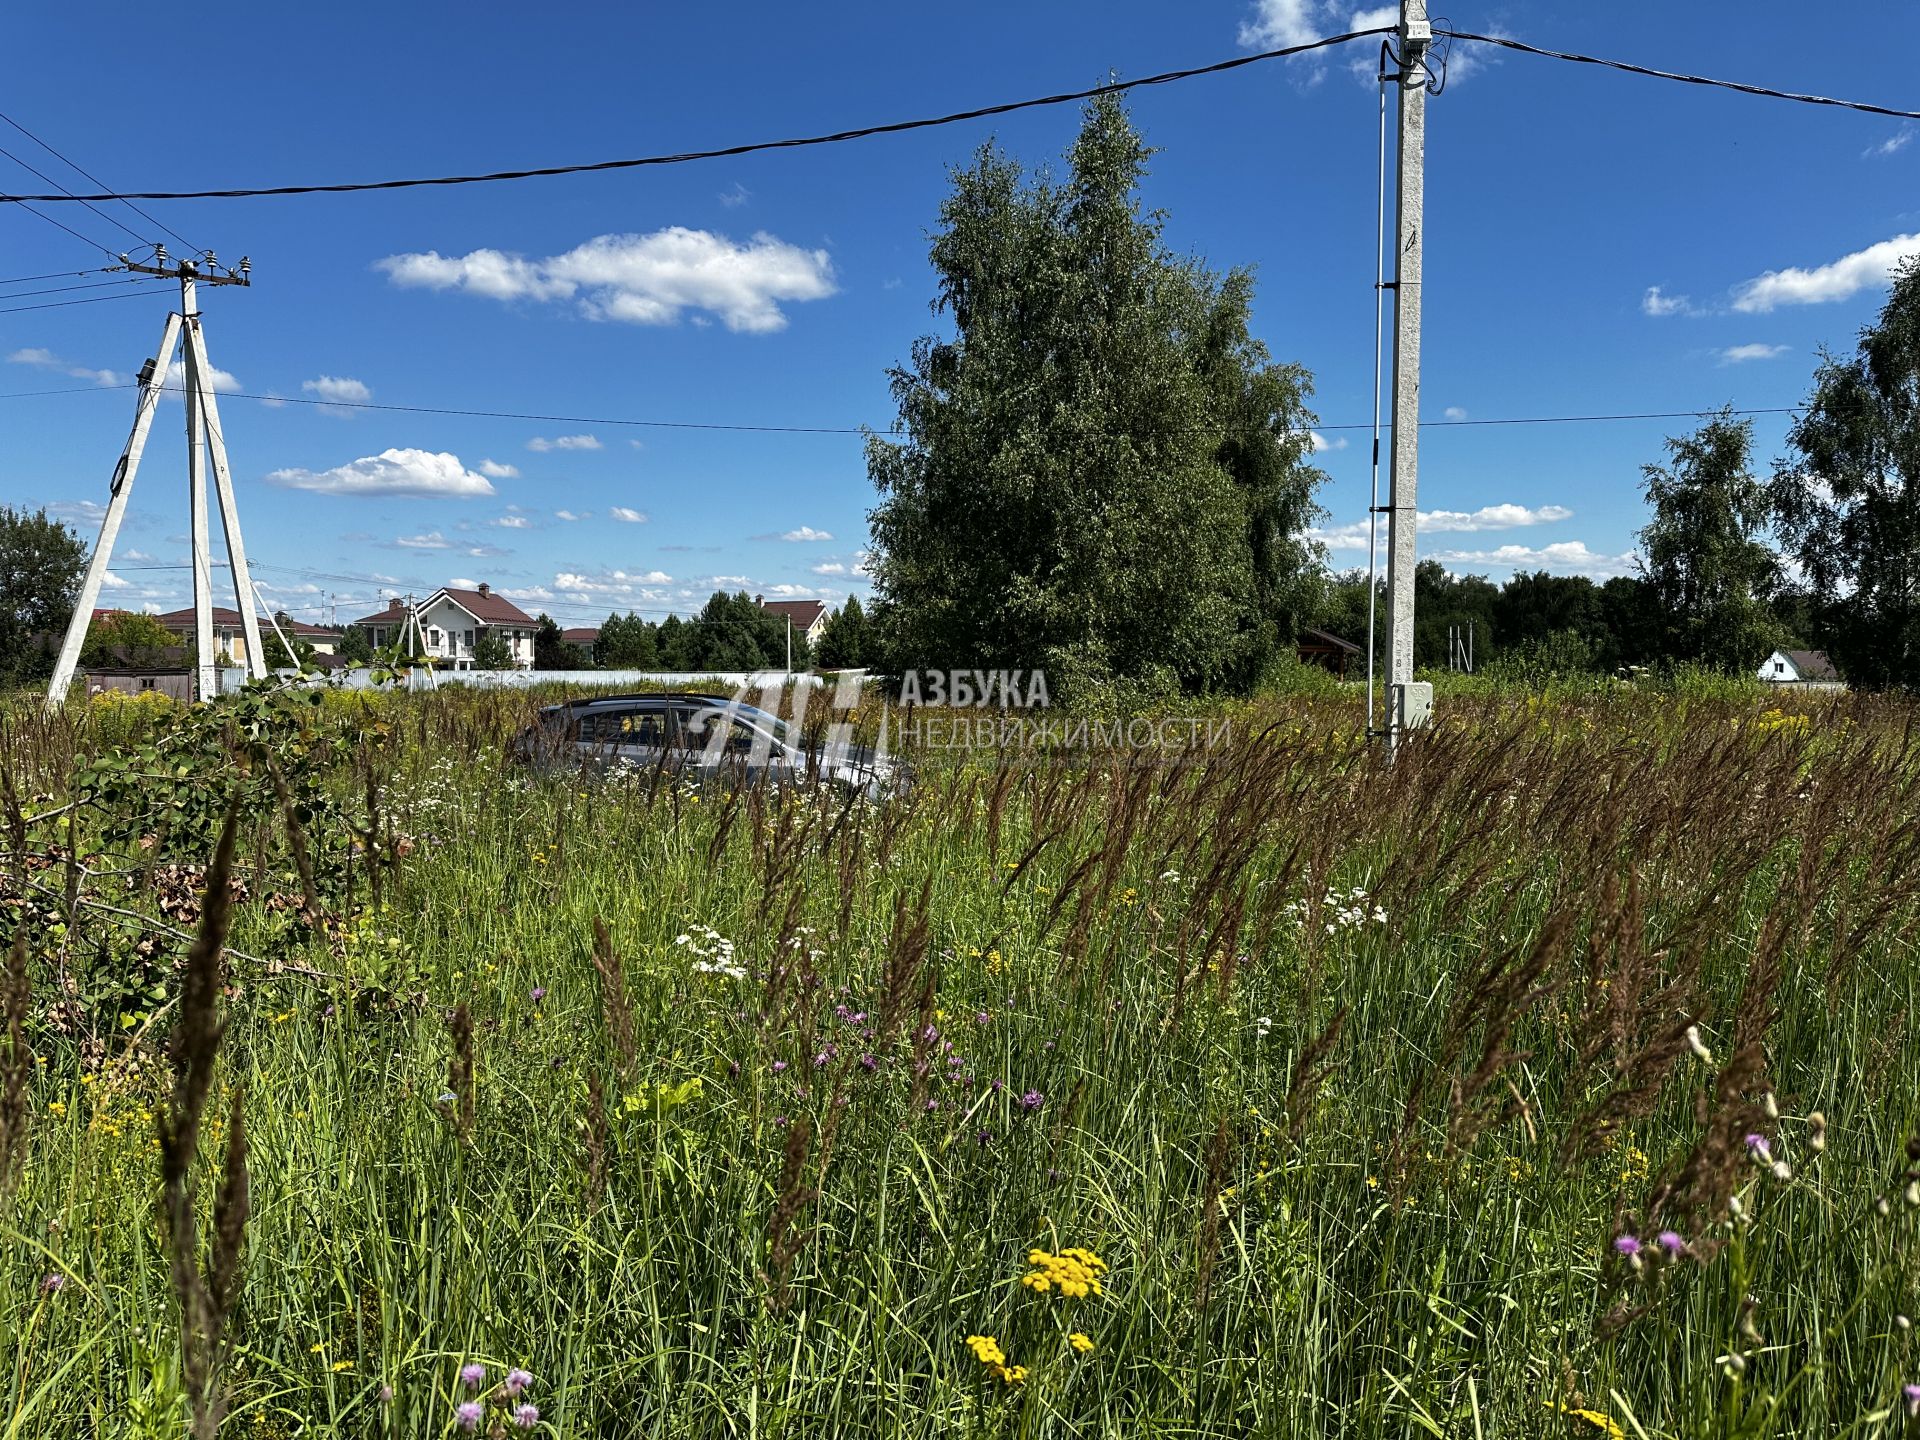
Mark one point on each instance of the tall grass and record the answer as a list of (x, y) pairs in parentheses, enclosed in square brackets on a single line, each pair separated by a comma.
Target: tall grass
[(740, 1113)]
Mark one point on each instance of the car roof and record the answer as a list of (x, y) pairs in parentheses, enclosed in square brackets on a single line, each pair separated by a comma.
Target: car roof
[(649, 697)]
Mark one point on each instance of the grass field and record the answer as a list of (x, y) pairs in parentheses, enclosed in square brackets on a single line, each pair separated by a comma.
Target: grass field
[(1315, 1098)]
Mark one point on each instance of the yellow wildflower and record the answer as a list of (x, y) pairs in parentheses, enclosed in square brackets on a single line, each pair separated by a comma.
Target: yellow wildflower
[(340, 1365), (1081, 1342), (986, 1350), (1605, 1424), (1074, 1270)]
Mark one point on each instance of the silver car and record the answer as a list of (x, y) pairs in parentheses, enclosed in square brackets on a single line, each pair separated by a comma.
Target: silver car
[(700, 737)]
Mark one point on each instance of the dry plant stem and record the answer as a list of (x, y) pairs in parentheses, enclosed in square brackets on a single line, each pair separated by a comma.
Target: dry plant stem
[(205, 1301)]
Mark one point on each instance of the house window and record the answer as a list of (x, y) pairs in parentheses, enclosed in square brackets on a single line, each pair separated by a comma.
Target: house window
[(1779, 667), (469, 639), (146, 682)]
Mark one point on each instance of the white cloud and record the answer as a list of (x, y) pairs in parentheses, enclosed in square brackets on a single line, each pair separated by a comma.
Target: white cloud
[(1570, 557), (391, 472), (82, 510), (735, 196), (641, 279), (1507, 516), (1838, 280), (114, 582), (432, 541), (176, 381), (794, 592), (341, 389), (1657, 302), (541, 444), (494, 470), (1318, 442), (610, 584), (1454, 412), (1739, 354), (47, 360), (573, 514), (464, 582), (805, 533), (1278, 23), (513, 522), (830, 567), (1892, 145), (626, 515)]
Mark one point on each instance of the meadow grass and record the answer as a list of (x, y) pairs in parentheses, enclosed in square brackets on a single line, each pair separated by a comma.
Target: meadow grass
[(732, 1112)]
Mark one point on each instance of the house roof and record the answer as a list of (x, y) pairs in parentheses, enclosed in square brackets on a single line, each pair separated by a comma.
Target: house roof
[(1323, 638), (1812, 664), (581, 635), (488, 608), (226, 615), (803, 613)]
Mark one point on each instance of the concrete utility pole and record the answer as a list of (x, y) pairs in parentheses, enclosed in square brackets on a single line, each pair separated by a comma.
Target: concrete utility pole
[(204, 442), (1409, 704)]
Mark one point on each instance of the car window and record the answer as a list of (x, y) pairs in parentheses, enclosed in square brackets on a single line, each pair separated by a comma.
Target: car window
[(622, 727), (694, 729)]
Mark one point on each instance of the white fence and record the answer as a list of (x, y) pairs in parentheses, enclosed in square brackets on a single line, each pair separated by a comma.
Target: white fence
[(232, 680)]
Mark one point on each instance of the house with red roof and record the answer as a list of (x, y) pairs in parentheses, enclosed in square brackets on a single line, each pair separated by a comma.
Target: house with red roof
[(230, 637), (808, 617), (452, 621)]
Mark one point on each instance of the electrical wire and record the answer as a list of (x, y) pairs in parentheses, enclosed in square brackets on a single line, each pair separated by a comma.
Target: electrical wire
[(59, 275), (57, 224), (34, 170), (59, 304), (837, 137), (81, 169), (1468, 423), (1740, 87), (62, 289)]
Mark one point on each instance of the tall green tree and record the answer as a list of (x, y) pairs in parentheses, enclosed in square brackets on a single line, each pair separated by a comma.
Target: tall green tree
[(1846, 504), (1709, 573), (550, 649), (491, 651), (41, 562), (844, 644), (1098, 472)]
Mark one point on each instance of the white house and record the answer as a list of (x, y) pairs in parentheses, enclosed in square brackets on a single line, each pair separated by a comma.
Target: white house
[(452, 622), (808, 617), (1800, 667)]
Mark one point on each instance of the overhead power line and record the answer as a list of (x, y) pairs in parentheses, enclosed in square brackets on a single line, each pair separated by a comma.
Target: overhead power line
[(42, 175), (957, 117), (81, 169), (1763, 91), (477, 414), (92, 300), (58, 275), (896, 127)]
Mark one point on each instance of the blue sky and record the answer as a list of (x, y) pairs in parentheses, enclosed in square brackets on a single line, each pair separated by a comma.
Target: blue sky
[(776, 289)]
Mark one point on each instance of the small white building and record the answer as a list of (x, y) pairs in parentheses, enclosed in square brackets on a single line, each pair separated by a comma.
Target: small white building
[(452, 622), (1809, 668)]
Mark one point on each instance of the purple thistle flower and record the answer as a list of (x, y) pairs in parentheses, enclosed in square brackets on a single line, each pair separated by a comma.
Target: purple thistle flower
[(984, 1018), (53, 1284), (1912, 1393), (841, 1012), (1032, 1100), (1670, 1241), (998, 1086), (954, 1062), (932, 1105), (526, 1416), (985, 1137), (1627, 1245), (516, 1381), (537, 994), (473, 1375), (1758, 1147), (467, 1414), (778, 1066), (867, 1062)]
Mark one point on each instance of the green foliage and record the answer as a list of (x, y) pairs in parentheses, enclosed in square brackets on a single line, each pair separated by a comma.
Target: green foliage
[(356, 646), (626, 642), (845, 641), (122, 637), (278, 657), (1399, 1224), (550, 649), (1847, 504), (1102, 475), (1708, 573), (491, 651), (41, 564)]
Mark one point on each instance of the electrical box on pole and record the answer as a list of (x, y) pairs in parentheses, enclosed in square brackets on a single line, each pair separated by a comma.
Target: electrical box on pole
[(1409, 703)]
